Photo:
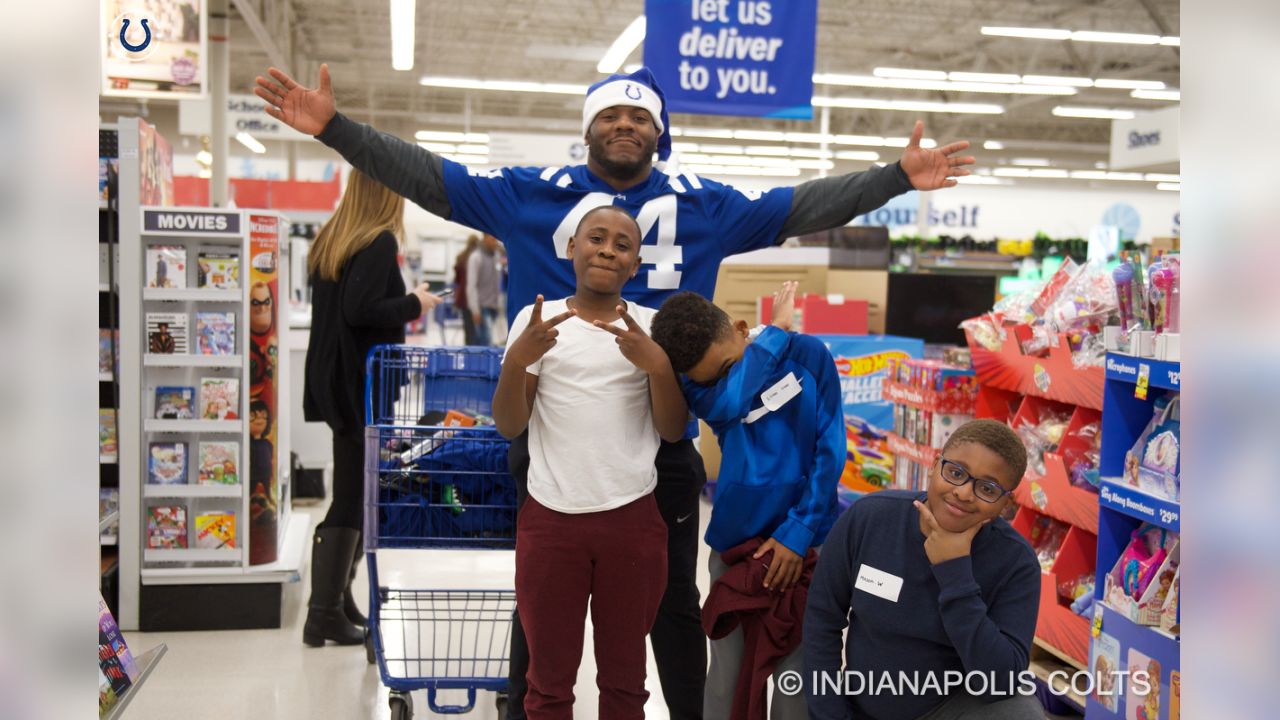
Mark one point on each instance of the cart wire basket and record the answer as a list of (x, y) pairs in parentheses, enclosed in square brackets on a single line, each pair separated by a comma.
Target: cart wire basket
[(433, 481)]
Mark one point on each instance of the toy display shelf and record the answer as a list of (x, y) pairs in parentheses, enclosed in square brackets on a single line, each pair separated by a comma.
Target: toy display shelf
[(953, 401), (1050, 493), (1059, 630), (1052, 377), (1123, 509), (921, 454), (1140, 646)]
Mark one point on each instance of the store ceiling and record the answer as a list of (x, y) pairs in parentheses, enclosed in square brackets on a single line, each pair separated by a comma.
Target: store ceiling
[(562, 40)]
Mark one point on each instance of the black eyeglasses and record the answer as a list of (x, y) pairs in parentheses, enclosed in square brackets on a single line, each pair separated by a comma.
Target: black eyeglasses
[(986, 490)]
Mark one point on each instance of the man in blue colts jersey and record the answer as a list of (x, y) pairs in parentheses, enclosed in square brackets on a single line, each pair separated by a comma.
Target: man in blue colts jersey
[(689, 224)]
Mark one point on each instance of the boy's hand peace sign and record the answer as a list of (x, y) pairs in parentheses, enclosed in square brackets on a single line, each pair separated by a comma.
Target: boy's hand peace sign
[(306, 110), (537, 338), (636, 345)]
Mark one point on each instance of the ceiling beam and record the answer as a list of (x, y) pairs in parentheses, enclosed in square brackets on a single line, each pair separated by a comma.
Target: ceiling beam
[(268, 43)]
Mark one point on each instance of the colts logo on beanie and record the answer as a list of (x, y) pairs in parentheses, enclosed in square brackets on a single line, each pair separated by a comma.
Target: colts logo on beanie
[(638, 89)]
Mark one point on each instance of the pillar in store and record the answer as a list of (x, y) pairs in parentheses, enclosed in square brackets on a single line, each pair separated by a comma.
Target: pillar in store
[(219, 80)]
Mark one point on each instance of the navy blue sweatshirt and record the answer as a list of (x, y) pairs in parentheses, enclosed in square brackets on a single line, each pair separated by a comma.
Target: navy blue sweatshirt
[(970, 614)]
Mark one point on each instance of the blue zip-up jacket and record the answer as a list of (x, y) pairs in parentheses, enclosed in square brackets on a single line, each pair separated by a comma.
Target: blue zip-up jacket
[(779, 467)]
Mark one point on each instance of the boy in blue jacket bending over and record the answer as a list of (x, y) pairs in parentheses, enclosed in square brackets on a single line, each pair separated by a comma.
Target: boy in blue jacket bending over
[(774, 404)]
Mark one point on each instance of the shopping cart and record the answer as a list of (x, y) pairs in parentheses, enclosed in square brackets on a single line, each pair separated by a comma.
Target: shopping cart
[(430, 483)]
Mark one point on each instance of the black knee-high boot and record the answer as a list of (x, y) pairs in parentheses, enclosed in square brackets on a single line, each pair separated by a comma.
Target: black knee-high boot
[(331, 554), (348, 599)]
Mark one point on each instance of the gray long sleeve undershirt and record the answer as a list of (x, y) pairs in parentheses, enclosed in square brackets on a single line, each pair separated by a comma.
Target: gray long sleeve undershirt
[(418, 174)]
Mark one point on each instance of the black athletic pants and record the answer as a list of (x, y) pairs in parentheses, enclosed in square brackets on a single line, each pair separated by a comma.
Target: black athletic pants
[(679, 644)]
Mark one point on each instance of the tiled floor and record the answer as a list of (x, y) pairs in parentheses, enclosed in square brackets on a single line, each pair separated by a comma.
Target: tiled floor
[(270, 674)]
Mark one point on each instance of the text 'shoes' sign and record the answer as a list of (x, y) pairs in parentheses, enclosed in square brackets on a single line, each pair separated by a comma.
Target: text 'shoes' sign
[(733, 57)]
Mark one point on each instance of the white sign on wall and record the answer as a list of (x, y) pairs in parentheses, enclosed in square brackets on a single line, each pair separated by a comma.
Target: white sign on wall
[(535, 150), (1148, 140), (244, 114), (986, 212)]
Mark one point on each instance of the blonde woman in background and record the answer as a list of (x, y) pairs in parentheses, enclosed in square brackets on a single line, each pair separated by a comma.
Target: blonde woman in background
[(358, 300)]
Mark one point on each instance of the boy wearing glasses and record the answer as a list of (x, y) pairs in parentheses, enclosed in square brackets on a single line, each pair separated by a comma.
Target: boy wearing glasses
[(937, 592)]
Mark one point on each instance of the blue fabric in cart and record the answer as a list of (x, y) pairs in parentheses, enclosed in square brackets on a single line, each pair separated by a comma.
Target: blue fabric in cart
[(460, 490)]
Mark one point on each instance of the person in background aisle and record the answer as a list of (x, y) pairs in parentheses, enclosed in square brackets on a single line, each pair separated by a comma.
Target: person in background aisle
[(692, 223), (773, 400), (484, 288), (596, 394), (358, 300), (929, 584), (460, 290)]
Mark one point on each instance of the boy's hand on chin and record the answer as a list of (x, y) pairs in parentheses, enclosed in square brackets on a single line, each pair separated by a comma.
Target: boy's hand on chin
[(941, 544), (636, 345)]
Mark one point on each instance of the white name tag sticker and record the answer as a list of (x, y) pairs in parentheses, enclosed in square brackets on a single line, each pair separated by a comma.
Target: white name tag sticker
[(778, 395), (878, 583)]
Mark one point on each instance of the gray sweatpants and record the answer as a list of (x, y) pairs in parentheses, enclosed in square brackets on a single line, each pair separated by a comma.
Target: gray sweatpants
[(726, 660)]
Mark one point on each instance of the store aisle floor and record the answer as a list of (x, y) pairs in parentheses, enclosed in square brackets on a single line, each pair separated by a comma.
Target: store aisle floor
[(271, 675)]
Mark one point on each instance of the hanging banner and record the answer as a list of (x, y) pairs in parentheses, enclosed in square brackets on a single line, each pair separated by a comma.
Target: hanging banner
[(154, 48), (733, 57), (264, 415)]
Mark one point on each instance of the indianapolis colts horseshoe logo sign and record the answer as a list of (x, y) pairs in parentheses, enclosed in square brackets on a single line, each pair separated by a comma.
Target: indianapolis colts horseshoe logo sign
[(124, 41), (134, 34), (631, 87)]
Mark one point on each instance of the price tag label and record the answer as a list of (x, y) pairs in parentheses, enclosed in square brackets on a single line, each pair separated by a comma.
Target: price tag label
[(1144, 380)]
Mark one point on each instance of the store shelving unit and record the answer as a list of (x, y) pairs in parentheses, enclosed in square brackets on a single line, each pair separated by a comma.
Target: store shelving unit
[(108, 395), (146, 662), (1122, 509), (199, 588), (1018, 388), (922, 403)]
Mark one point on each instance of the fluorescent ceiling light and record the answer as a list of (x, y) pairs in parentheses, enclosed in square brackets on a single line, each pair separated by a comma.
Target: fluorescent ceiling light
[(869, 140), (1162, 177), (984, 77), (723, 149), (902, 142), (1012, 172), (799, 137), (403, 21), (768, 135), (907, 73), (1100, 165), (705, 133), (1083, 36), (474, 149), (1089, 175), (622, 47), (909, 105), (451, 137), (1057, 80), (757, 171), (1114, 37), (1049, 173), (1032, 162), (981, 180), (1125, 176), (251, 142), (507, 85), (1173, 95), (684, 147), (632, 68), (1024, 32), (941, 85), (1172, 187), (437, 147), (992, 145), (1128, 84), (1090, 112), (864, 155)]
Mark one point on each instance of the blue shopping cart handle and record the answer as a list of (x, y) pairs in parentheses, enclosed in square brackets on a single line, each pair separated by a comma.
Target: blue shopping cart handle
[(451, 709)]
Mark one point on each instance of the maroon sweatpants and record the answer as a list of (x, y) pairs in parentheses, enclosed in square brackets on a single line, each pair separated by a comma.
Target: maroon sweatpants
[(618, 560)]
